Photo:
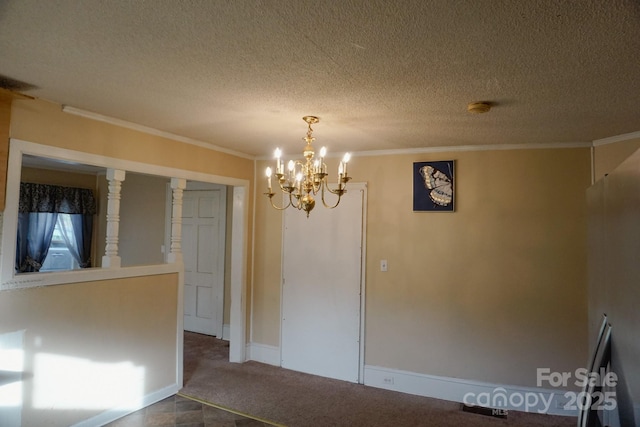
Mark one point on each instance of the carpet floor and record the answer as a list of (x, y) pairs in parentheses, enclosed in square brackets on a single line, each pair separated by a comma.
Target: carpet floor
[(295, 399)]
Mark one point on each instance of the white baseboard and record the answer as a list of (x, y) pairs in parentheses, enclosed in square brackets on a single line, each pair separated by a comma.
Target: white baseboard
[(115, 413), (263, 353), (515, 398), (226, 331)]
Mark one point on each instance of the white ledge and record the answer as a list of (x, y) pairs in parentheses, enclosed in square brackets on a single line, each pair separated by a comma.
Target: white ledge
[(30, 280)]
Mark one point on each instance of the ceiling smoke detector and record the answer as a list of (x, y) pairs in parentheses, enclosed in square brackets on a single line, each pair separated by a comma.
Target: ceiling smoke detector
[(478, 107)]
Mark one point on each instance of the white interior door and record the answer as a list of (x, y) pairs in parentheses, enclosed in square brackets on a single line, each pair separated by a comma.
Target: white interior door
[(203, 252), (322, 265)]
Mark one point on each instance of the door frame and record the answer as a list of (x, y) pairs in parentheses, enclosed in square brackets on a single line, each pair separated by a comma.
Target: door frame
[(222, 225), (221, 245), (357, 186), (237, 262), (237, 266)]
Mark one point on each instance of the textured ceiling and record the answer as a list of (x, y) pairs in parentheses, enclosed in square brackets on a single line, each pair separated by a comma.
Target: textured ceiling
[(380, 74)]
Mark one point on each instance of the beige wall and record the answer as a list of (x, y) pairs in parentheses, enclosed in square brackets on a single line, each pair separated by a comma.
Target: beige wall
[(45, 123), (112, 326), (489, 293), (6, 98), (265, 302), (142, 219), (614, 276), (56, 177)]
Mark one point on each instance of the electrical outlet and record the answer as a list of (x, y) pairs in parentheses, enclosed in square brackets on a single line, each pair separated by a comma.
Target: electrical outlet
[(388, 380)]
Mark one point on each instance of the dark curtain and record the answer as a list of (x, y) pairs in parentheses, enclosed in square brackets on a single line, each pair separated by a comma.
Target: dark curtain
[(38, 209), (21, 243), (82, 231), (56, 199)]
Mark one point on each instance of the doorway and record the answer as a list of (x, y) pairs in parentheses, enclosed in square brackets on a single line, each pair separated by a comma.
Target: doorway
[(237, 221), (203, 243)]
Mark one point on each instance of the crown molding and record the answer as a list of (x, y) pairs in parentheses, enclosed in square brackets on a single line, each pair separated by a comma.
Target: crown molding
[(459, 148), (617, 138), (151, 131), (419, 150)]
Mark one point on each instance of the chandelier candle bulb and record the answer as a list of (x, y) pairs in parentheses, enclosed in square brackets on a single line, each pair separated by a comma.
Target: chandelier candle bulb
[(345, 160), (308, 177), (269, 178), (323, 153), (291, 166), (278, 153), (299, 182)]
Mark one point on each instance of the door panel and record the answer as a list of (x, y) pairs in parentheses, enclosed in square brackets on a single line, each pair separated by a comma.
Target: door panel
[(208, 207), (190, 299), (188, 207), (206, 251), (204, 302), (321, 289), (189, 251)]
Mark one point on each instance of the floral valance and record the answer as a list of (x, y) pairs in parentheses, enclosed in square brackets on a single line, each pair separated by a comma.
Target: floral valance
[(54, 198)]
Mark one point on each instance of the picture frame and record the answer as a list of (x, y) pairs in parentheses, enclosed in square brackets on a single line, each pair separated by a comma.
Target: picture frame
[(434, 186)]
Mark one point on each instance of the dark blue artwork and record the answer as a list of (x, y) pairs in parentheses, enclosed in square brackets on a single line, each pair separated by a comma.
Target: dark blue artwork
[(433, 188)]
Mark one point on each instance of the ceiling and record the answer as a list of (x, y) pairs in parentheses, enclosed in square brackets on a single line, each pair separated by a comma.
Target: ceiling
[(381, 75)]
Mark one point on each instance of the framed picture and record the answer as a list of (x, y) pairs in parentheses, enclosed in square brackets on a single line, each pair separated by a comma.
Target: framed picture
[(433, 186)]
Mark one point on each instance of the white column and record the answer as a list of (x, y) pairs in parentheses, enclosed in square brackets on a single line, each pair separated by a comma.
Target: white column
[(175, 254), (111, 258), (237, 335)]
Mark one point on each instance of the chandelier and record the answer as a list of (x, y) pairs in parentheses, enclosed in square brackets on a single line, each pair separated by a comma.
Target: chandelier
[(306, 178)]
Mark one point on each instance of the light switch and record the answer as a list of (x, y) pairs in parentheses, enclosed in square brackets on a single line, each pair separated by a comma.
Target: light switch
[(383, 265)]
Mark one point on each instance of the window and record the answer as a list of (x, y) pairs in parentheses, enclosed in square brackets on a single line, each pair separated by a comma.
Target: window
[(53, 217), (62, 253)]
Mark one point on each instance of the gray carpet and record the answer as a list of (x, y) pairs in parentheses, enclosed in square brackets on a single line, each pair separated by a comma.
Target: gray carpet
[(295, 399)]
